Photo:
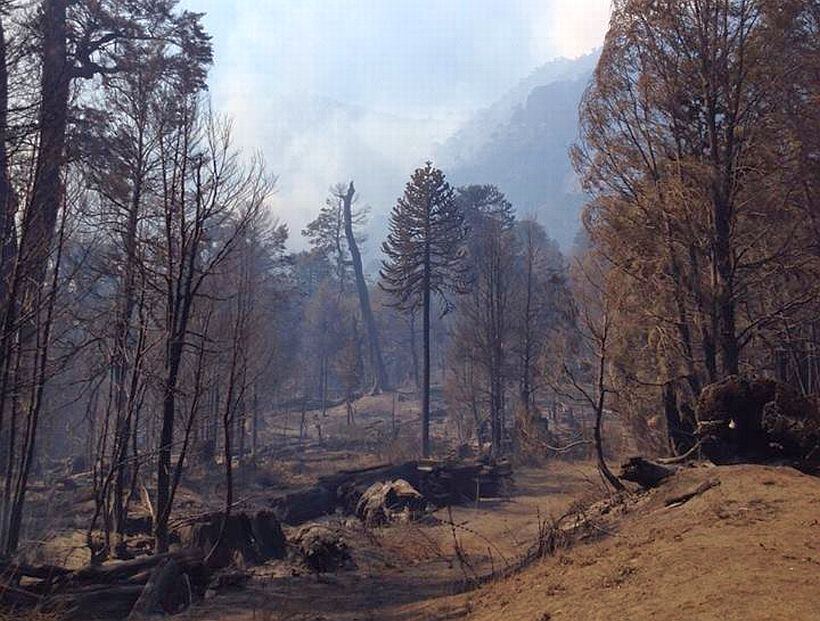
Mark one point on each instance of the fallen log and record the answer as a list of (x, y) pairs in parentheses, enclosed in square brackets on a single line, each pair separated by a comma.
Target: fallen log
[(112, 602), (13, 597), (103, 592), (440, 483), (13, 571), (122, 570), (304, 505), (645, 473), (680, 499), (455, 483), (679, 459)]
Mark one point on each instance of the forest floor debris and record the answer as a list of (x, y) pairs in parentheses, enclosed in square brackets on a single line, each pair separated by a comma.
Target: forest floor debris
[(400, 566), (674, 550)]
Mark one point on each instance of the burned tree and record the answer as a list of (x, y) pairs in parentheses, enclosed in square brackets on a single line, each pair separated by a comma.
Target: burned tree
[(424, 259), (485, 319), (381, 381)]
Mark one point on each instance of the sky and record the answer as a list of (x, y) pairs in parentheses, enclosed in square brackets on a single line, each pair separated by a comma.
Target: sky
[(326, 89)]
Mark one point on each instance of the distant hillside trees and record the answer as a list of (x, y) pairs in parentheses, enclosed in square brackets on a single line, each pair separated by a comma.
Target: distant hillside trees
[(502, 322)]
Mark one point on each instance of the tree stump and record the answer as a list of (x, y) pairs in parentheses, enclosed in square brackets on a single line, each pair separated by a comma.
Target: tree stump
[(322, 549), (246, 540), (267, 531), (741, 419), (167, 592)]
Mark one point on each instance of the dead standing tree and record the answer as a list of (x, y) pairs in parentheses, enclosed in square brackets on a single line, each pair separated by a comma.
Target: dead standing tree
[(584, 379), (485, 319), (122, 169), (208, 204), (380, 379), (78, 41)]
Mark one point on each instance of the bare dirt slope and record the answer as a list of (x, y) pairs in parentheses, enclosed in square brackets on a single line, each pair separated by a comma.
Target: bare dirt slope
[(747, 549)]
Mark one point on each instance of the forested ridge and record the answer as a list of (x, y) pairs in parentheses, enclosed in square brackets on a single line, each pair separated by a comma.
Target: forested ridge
[(168, 356)]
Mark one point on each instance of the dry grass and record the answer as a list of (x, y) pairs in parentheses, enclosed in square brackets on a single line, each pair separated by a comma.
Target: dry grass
[(744, 550)]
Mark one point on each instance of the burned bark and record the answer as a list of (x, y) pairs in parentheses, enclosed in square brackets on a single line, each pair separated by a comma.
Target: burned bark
[(381, 382), (646, 473), (741, 419)]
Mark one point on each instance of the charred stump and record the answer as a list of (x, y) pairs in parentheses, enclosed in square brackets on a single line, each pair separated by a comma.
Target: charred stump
[(322, 549), (245, 540), (742, 419)]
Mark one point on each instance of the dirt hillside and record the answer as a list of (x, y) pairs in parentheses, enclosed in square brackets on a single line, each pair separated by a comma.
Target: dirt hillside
[(745, 549)]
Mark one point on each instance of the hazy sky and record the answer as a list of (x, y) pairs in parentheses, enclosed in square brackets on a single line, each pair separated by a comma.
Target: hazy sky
[(402, 56), (415, 60)]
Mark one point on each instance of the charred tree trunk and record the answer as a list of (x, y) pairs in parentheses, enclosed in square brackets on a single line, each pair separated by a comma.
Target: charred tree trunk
[(381, 382), (126, 384), (414, 354), (599, 408), (425, 328), (725, 294), (39, 372), (40, 218), (8, 202), (679, 430)]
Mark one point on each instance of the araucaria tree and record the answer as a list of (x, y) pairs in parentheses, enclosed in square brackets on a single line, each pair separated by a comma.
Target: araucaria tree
[(425, 259)]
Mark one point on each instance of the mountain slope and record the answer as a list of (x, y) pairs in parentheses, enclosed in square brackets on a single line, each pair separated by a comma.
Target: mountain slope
[(521, 144)]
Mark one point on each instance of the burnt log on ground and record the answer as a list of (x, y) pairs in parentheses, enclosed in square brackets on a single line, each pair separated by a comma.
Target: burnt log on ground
[(350, 485), (441, 484), (455, 483), (682, 499), (108, 591), (11, 572), (111, 602), (742, 419), (340, 491), (117, 571), (645, 473), (304, 505)]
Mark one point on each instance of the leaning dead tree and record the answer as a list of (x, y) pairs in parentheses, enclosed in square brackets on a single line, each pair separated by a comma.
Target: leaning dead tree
[(380, 380), (584, 377)]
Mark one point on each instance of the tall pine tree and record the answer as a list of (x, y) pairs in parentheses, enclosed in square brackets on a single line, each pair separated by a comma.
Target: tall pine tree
[(424, 258)]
